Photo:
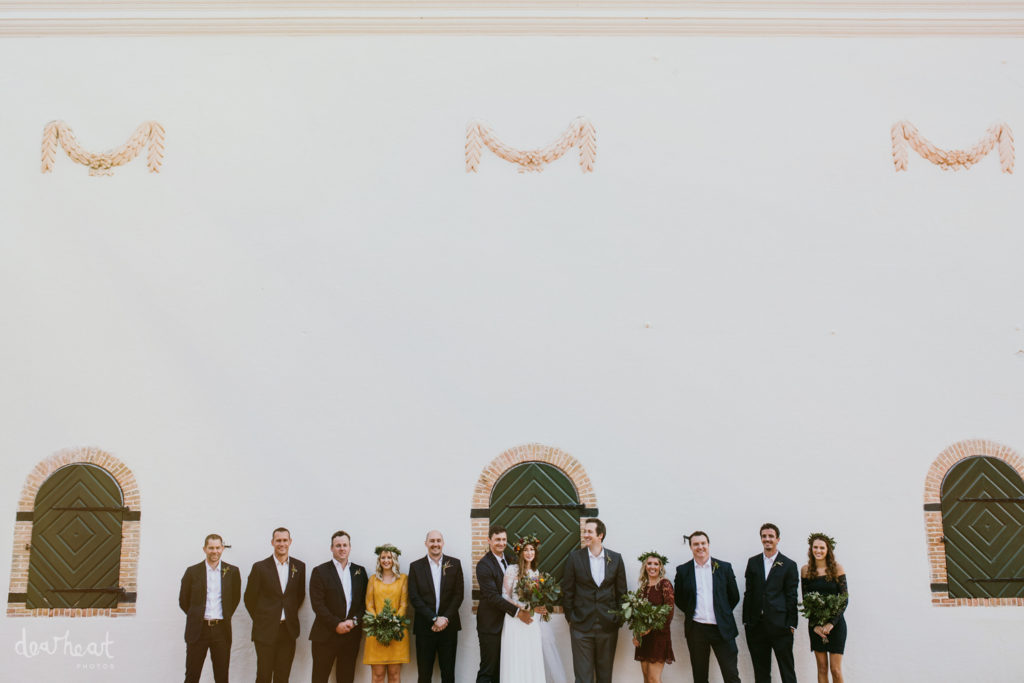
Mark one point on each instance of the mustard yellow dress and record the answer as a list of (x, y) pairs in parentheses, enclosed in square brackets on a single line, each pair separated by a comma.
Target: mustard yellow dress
[(397, 651)]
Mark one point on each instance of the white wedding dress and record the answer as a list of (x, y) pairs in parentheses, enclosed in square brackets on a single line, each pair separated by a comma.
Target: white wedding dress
[(528, 652)]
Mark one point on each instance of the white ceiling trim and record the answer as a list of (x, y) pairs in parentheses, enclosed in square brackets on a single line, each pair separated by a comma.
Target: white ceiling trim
[(508, 17)]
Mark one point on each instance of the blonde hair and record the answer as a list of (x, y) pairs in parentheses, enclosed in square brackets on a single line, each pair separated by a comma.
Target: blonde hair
[(643, 583), (394, 566)]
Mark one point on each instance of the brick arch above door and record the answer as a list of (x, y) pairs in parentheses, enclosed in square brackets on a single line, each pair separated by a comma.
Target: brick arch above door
[(946, 461), (534, 452), (129, 552)]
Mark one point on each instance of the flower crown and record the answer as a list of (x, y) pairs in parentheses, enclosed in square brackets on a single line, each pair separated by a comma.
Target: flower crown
[(822, 536), (387, 547), (653, 553), (525, 541)]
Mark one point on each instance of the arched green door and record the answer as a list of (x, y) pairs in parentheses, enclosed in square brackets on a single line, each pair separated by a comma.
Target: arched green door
[(983, 525), (76, 540), (539, 499)]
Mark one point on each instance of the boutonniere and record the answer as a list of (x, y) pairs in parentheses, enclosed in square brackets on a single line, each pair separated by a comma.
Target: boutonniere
[(446, 566), (224, 571), (778, 563), (714, 567), (294, 571), (358, 572), (607, 559)]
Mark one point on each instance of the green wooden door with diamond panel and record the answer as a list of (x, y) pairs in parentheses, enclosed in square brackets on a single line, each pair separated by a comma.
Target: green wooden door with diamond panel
[(76, 540), (539, 499), (983, 525)]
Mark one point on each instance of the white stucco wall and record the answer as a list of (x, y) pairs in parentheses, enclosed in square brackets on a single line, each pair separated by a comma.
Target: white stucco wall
[(314, 317)]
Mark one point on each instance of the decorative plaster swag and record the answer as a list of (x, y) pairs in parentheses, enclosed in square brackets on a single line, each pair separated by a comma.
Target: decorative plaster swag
[(58, 132), (580, 134)]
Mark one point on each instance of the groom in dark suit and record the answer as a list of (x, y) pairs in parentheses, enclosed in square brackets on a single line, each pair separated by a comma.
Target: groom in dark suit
[(490, 614), (593, 584), (706, 592), (209, 595), (273, 594), (769, 608), (337, 594), (436, 590)]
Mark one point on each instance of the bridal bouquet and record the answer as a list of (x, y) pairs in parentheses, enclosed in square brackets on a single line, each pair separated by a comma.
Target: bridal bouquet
[(820, 609), (539, 590), (385, 626), (640, 615)]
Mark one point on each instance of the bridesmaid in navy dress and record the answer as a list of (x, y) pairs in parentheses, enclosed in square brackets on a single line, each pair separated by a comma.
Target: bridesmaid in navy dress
[(822, 574)]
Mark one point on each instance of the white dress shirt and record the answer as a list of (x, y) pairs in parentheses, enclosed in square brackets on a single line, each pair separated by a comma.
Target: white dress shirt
[(703, 575), (501, 562), (597, 566), (345, 574), (282, 576), (435, 575), (768, 562), (214, 610)]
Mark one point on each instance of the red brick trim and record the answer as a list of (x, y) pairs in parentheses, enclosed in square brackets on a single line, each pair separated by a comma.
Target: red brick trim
[(533, 452), (957, 452), (129, 532)]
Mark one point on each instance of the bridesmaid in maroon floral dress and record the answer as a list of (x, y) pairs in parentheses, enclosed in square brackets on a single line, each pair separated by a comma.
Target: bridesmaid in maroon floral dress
[(654, 649)]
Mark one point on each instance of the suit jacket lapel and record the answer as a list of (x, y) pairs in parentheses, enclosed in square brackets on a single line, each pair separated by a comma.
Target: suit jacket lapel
[(691, 581), (761, 578), (202, 572), (497, 567), (445, 579), (585, 558), (429, 579), (775, 565), (607, 566), (338, 587), (716, 583)]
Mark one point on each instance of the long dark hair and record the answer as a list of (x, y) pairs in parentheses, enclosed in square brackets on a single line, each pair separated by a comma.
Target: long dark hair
[(522, 560), (831, 574)]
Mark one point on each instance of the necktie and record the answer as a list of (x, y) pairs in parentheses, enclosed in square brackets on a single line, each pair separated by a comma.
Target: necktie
[(504, 565)]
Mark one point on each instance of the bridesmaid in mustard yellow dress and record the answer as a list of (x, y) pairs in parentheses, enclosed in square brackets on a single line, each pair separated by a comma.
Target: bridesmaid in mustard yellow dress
[(387, 583)]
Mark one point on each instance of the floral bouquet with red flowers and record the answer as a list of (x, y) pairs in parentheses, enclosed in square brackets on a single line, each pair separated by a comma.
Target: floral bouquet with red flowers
[(539, 590)]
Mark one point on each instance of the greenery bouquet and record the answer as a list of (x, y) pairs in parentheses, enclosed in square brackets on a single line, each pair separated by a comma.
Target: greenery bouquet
[(640, 615), (539, 590), (385, 626), (820, 609)]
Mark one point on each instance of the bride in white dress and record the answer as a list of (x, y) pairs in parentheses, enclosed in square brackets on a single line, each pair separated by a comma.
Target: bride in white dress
[(528, 652)]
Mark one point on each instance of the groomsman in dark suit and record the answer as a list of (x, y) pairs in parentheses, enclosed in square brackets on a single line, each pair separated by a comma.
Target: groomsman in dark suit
[(436, 590), (769, 608), (273, 594), (593, 584), (209, 595), (706, 592), (337, 594), (490, 613)]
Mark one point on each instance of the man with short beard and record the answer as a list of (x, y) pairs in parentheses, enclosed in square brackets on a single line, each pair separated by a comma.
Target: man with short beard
[(436, 590)]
